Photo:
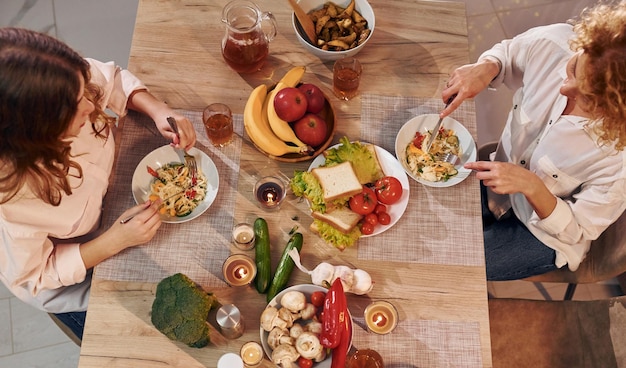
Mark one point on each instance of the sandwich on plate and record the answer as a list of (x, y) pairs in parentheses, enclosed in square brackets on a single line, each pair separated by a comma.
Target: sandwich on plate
[(329, 187)]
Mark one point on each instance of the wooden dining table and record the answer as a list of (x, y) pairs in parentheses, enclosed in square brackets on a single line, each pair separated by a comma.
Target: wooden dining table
[(429, 264)]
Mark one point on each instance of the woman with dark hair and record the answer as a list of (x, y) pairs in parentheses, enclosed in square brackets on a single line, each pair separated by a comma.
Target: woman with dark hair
[(56, 155), (558, 177)]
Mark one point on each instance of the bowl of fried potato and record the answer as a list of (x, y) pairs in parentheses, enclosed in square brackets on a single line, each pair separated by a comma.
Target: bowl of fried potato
[(343, 27)]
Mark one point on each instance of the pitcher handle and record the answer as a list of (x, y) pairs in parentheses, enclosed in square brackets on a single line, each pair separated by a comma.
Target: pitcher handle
[(268, 16)]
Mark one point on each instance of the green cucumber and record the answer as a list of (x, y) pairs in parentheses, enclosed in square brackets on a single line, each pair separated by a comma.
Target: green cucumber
[(262, 254), (285, 267)]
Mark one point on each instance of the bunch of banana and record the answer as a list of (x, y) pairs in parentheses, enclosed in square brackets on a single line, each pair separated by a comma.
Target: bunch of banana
[(269, 132)]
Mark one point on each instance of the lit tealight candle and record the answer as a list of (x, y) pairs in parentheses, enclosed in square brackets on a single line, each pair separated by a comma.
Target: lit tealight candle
[(381, 317), (243, 234), (252, 354), (239, 270), (269, 192)]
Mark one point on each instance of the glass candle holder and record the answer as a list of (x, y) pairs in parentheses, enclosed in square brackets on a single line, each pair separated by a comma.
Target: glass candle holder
[(365, 358), (269, 191), (252, 354), (243, 235), (381, 317), (239, 270)]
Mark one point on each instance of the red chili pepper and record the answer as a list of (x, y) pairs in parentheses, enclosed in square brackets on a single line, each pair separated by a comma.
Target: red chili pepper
[(340, 353), (419, 138), (190, 194), (152, 172), (335, 314)]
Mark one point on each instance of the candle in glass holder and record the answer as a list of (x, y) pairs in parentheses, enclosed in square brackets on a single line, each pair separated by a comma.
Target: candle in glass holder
[(252, 354), (243, 234), (381, 317), (239, 270), (269, 192)]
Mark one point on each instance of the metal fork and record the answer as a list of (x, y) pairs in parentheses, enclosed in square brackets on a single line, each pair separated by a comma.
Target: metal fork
[(448, 157), (190, 161)]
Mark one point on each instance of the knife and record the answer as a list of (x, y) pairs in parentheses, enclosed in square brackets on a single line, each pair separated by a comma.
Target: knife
[(435, 132)]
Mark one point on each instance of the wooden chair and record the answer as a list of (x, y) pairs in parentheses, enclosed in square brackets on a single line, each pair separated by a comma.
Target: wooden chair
[(72, 336), (554, 334), (606, 258)]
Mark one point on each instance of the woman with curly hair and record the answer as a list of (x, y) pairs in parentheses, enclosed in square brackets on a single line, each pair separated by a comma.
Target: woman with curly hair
[(56, 155), (557, 179)]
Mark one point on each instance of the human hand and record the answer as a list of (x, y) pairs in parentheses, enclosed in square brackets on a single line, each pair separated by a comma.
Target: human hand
[(468, 81), (504, 177), (186, 137), (137, 225)]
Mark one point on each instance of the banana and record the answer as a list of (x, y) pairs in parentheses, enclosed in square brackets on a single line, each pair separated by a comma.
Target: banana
[(258, 127), (281, 128), (293, 76)]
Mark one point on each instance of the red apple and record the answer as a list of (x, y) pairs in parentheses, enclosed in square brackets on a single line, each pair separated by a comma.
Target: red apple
[(314, 96), (311, 129), (290, 104)]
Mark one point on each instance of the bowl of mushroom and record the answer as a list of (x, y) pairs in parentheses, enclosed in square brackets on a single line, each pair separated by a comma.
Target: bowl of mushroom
[(290, 328)]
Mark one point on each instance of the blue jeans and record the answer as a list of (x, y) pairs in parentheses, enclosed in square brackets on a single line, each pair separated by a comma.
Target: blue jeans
[(75, 321), (512, 252)]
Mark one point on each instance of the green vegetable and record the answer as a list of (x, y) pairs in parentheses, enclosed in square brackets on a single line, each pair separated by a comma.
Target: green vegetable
[(366, 166), (285, 267), (304, 184), (180, 310), (262, 255), (336, 237)]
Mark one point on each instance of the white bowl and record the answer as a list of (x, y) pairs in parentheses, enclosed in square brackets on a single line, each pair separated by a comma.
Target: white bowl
[(307, 290), (423, 123), (167, 154), (362, 6)]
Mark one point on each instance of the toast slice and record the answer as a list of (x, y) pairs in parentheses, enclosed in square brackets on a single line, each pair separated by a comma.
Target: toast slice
[(337, 181), (342, 219)]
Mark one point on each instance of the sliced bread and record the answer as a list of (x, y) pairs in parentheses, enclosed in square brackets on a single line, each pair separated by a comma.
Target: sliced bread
[(337, 181), (342, 218)]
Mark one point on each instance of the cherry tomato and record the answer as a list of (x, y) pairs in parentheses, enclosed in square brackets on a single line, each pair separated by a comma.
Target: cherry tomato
[(367, 228), (317, 298), (384, 218), (365, 202), (388, 190), (380, 208), (372, 219), (417, 141), (304, 362)]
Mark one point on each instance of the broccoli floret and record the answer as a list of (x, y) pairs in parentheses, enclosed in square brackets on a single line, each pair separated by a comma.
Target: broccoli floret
[(180, 310)]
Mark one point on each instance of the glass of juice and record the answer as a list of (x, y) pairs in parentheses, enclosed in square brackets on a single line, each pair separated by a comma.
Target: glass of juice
[(218, 123), (346, 77)]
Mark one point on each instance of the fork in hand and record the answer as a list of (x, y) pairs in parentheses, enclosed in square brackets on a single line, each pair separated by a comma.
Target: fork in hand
[(190, 161)]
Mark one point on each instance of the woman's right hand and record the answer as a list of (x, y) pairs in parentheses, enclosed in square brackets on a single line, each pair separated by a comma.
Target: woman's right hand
[(141, 228), (468, 81)]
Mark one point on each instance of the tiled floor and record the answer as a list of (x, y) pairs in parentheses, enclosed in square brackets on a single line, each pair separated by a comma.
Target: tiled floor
[(103, 30)]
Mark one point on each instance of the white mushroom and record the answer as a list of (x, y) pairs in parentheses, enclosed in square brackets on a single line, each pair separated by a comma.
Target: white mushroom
[(279, 336), (296, 330), (270, 319), (314, 326), (362, 282), (286, 315), (308, 345), (321, 356), (285, 355), (294, 301), (308, 311)]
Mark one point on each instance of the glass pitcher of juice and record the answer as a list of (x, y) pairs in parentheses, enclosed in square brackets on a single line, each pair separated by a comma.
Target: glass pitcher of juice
[(245, 45)]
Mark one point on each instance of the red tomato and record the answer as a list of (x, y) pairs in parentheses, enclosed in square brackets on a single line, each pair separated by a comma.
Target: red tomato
[(367, 228), (380, 208), (372, 219), (365, 202), (304, 362), (384, 218), (317, 298), (417, 141), (388, 190)]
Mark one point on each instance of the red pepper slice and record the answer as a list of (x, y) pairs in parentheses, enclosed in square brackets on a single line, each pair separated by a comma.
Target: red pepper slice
[(335, 314), (340, 353), (152, 172)]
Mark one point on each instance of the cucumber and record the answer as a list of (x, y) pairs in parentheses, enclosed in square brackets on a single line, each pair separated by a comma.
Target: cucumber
[(262, 255), (285, 266)]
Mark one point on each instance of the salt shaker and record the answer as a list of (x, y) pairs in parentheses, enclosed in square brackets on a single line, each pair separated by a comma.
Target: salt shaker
[(230, 321)]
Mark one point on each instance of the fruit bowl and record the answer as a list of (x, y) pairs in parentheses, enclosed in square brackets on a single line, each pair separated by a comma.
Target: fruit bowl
[(328, 114)]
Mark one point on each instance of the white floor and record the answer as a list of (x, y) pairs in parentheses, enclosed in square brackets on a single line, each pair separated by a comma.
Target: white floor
[(103, 30)]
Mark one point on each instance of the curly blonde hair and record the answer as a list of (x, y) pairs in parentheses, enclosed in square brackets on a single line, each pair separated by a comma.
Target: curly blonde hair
[(601, 34)]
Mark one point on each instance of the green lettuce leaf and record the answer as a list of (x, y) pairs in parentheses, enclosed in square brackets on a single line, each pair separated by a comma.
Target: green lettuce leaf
[(336, 237), (365, 165)]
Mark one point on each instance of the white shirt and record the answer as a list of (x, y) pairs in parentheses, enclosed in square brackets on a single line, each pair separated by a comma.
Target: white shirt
[(588, 180), (40, 261)]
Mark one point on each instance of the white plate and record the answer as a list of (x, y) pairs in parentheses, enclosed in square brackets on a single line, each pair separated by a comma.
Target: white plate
[(166, 155), (391, 167), (307, 290), (423, 123)]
